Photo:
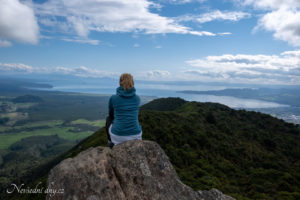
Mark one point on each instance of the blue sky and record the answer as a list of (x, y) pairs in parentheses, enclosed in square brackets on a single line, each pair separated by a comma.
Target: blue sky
[(238, 41)]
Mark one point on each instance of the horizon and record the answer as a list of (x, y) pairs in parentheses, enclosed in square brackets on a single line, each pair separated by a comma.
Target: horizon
[(229, 41)]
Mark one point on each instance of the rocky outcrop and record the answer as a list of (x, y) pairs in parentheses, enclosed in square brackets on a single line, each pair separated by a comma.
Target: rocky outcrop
[(133, 170)]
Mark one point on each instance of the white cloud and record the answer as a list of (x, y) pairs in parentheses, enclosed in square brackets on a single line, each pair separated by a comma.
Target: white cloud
[(283, 68), (271, 4), (15, 67), (224, 33), (136, 45), (154, 75), (82, 40), (280, 17), (285, 23), (18, 22), (81, 71), (214, 15), (5, 43), (108, 16), (202, 33), (218, 15), (181, 1)]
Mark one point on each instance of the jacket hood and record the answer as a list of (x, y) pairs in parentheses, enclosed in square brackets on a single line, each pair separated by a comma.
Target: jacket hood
[(125, 93)]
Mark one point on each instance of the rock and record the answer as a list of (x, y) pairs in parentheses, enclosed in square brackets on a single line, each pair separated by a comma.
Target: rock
[(132, 170), (213, 194)]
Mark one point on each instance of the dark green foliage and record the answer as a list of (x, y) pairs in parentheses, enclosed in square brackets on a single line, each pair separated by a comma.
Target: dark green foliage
[(68, 106), (164, 104), (244, 154), (39, 146), (26, 155), (248, 155), (3, 120), (27, 99)]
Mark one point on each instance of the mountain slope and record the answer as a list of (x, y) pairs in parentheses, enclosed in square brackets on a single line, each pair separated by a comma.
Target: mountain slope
[(247, 155)]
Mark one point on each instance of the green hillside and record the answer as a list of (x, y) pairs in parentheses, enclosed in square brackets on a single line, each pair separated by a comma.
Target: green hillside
[(247, 155)]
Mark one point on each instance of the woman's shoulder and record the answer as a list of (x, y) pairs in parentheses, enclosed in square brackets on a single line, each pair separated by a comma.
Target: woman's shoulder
[(137, 98), (112, 97)]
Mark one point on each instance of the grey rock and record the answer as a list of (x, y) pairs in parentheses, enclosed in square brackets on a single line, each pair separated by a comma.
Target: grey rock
[(132, 170), (213, 194)]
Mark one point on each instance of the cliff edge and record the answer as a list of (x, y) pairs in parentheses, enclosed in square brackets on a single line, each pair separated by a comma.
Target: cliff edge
[(133, 170)]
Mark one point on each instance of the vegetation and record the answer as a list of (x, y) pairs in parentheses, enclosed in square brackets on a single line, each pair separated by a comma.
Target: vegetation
[(164, 104), (96, 123), (24, 155), (4, 120), (63, 132), (36, 126), (247, 155), (27, 99)]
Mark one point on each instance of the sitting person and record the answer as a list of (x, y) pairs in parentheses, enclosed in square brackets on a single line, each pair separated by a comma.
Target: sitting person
[(122, 123)]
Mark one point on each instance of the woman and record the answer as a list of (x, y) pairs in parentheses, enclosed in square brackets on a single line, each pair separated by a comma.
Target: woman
[(122, 123)]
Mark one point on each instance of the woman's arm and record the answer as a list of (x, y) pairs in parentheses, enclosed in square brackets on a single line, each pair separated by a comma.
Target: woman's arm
[(110, 108)]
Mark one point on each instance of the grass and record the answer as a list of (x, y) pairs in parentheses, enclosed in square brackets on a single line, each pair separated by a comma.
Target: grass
[(25, 105), (53, 127), (8, 139), (10, 115), (52, 123), (97, 123)]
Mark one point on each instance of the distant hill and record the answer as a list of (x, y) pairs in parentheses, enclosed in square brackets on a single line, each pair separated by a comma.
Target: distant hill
[(281, 95), (247, 155), (27, 99), (164, 104), (8, 85)]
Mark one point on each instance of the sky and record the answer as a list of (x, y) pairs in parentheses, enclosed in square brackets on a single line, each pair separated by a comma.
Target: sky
[(232, 41)]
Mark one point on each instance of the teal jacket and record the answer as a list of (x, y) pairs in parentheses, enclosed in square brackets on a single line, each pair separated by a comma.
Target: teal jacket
[(125, 107)]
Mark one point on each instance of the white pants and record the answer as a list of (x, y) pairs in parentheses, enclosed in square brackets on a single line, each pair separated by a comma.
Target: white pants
[(116, 139)]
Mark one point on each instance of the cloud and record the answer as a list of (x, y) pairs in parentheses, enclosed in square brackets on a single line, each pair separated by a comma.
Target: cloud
[(136, 45), (80, 71), (279, 17), (82, 17), (271, 4), (18, 22), (5, 43), (224, 33), (281, 69), (15, 67), (181, 1), (202, 33), (82, 40), (214, 15), (285, 23), (154, 75), (83, 71)]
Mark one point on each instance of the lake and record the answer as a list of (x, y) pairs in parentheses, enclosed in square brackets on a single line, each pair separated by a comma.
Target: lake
[(159, 90)]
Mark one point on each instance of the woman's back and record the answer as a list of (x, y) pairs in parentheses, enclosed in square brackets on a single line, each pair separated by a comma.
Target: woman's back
[(125, 107)]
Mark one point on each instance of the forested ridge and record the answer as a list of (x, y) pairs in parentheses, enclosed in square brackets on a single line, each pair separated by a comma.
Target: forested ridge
[(247, 155)]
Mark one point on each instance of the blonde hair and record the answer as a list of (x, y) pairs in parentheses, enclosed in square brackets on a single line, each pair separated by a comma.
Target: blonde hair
[(126, 81)]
